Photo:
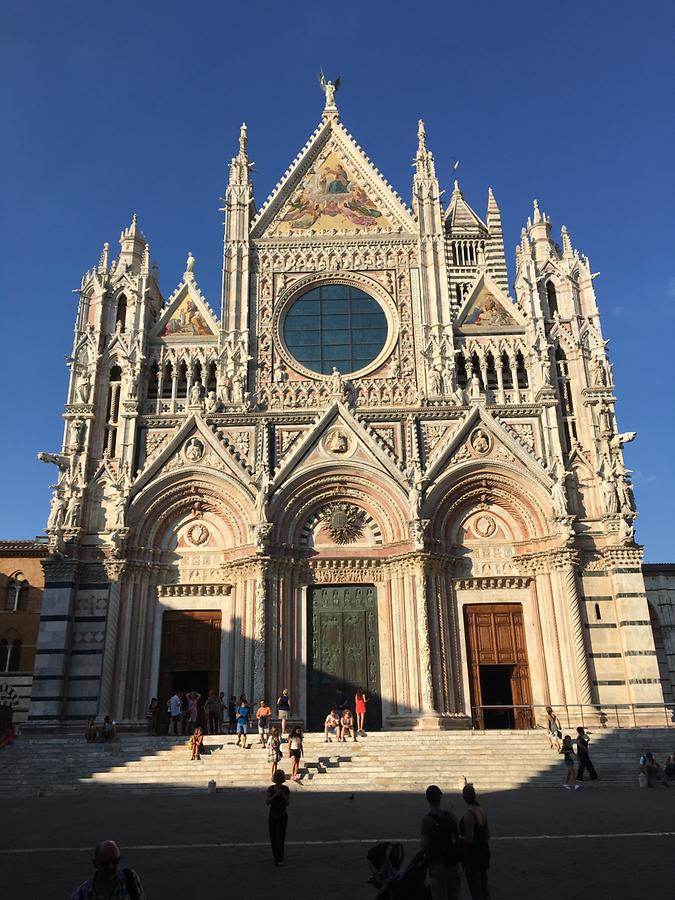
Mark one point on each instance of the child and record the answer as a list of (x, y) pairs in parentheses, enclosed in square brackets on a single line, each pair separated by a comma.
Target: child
[(295, 751), (567, 749), (273, 749), (196, 742)]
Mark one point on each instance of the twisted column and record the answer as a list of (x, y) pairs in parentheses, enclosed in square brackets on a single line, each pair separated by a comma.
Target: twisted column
[(572, 598)]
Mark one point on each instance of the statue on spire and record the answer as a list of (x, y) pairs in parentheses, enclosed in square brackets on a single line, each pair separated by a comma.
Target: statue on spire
[(329, 88)]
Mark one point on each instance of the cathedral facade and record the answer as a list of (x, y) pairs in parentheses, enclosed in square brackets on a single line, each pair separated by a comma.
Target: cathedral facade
[(379, 466)]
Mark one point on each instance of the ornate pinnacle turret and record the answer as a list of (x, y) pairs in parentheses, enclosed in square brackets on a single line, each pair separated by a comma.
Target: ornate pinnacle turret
[(240, 165), (145, 264), (243, 139), (103, 261), (566, 242), (132, 244)]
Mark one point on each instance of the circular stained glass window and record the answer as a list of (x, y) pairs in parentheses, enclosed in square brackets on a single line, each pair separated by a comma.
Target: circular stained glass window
[(335, 326)]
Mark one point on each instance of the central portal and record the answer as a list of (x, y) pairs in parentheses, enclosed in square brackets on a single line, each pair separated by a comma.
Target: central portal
[(190, 656), (343, 651)]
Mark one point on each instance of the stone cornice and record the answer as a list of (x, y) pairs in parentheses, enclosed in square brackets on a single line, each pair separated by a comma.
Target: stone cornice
[(194, 590), (58, 568), (495, 582), (556, 559), (32, 549)]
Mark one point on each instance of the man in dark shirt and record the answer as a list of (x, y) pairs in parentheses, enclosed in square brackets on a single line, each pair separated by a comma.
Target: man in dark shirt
[(108, 880), (278, 798), (440, 840), (583, 741)]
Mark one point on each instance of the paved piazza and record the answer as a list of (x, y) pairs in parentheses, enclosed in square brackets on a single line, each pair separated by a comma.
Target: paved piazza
[(594, 844)]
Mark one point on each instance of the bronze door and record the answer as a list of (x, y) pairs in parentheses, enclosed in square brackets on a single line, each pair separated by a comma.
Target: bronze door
[(499, 673), (190, 656), (343, 651)]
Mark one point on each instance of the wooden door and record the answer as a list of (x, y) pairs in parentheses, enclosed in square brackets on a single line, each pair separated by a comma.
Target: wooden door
[(190, 643), (343, 651), (496, 638)]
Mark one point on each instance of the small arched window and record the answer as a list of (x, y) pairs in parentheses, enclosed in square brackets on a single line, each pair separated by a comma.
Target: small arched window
[(181, 387), (167, 381), (462, 377), (153, 381), (507, 373), (10, 655), (552, 299), (17, 593), (521, 370), (491, 371)]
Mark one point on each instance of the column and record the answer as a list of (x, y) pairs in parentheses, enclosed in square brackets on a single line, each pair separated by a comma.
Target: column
[(48, 700)]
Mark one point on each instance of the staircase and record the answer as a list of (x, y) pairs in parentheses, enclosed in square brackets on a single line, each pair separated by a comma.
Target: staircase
[(385, 761)]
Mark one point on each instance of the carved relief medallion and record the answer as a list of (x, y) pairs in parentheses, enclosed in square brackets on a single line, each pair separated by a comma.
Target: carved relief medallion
[(481, 442), (193, 449), (198, 533), (485, 526)]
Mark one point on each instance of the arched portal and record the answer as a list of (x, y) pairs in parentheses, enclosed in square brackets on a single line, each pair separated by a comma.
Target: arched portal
[(494, 662)]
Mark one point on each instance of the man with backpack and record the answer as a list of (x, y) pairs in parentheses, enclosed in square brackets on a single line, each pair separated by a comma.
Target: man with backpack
[(440, 845)]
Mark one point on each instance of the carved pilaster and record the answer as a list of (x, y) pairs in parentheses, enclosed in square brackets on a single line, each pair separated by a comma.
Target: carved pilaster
[(426, 673), (259, 634)]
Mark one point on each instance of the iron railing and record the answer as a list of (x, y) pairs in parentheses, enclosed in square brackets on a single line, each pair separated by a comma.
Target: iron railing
[(605, 715)]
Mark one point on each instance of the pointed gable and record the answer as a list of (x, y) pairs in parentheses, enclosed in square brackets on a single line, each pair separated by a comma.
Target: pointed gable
[(460, 217), (332, 186), (187, 316), (488, 309)]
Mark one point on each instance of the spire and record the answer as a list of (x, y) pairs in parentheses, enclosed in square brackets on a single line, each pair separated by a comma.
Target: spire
[(460, 216), (240, 164), (494, 245), (421, 137), (145, 265), (566, 241), (243, 140)]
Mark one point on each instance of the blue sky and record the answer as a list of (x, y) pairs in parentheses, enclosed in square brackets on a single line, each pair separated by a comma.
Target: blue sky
[(115, 108)]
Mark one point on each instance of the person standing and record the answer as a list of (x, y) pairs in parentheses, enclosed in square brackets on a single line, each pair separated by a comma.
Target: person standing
[(295, 751), (278, 799), (152, 716), (184, 712), (583, 740), (273, 749), (232, 714), (283, 710), (263, 714), (108, 880), (213, 712), (475, 844), (440, 845), (553, 729), (223, 709), (360, 701), (174, 713), (567, 750), (243, 715), (192, 700)]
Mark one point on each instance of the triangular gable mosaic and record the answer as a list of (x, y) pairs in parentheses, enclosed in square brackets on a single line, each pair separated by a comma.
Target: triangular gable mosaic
[(187, 320), (328, 198), (486, 310)]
